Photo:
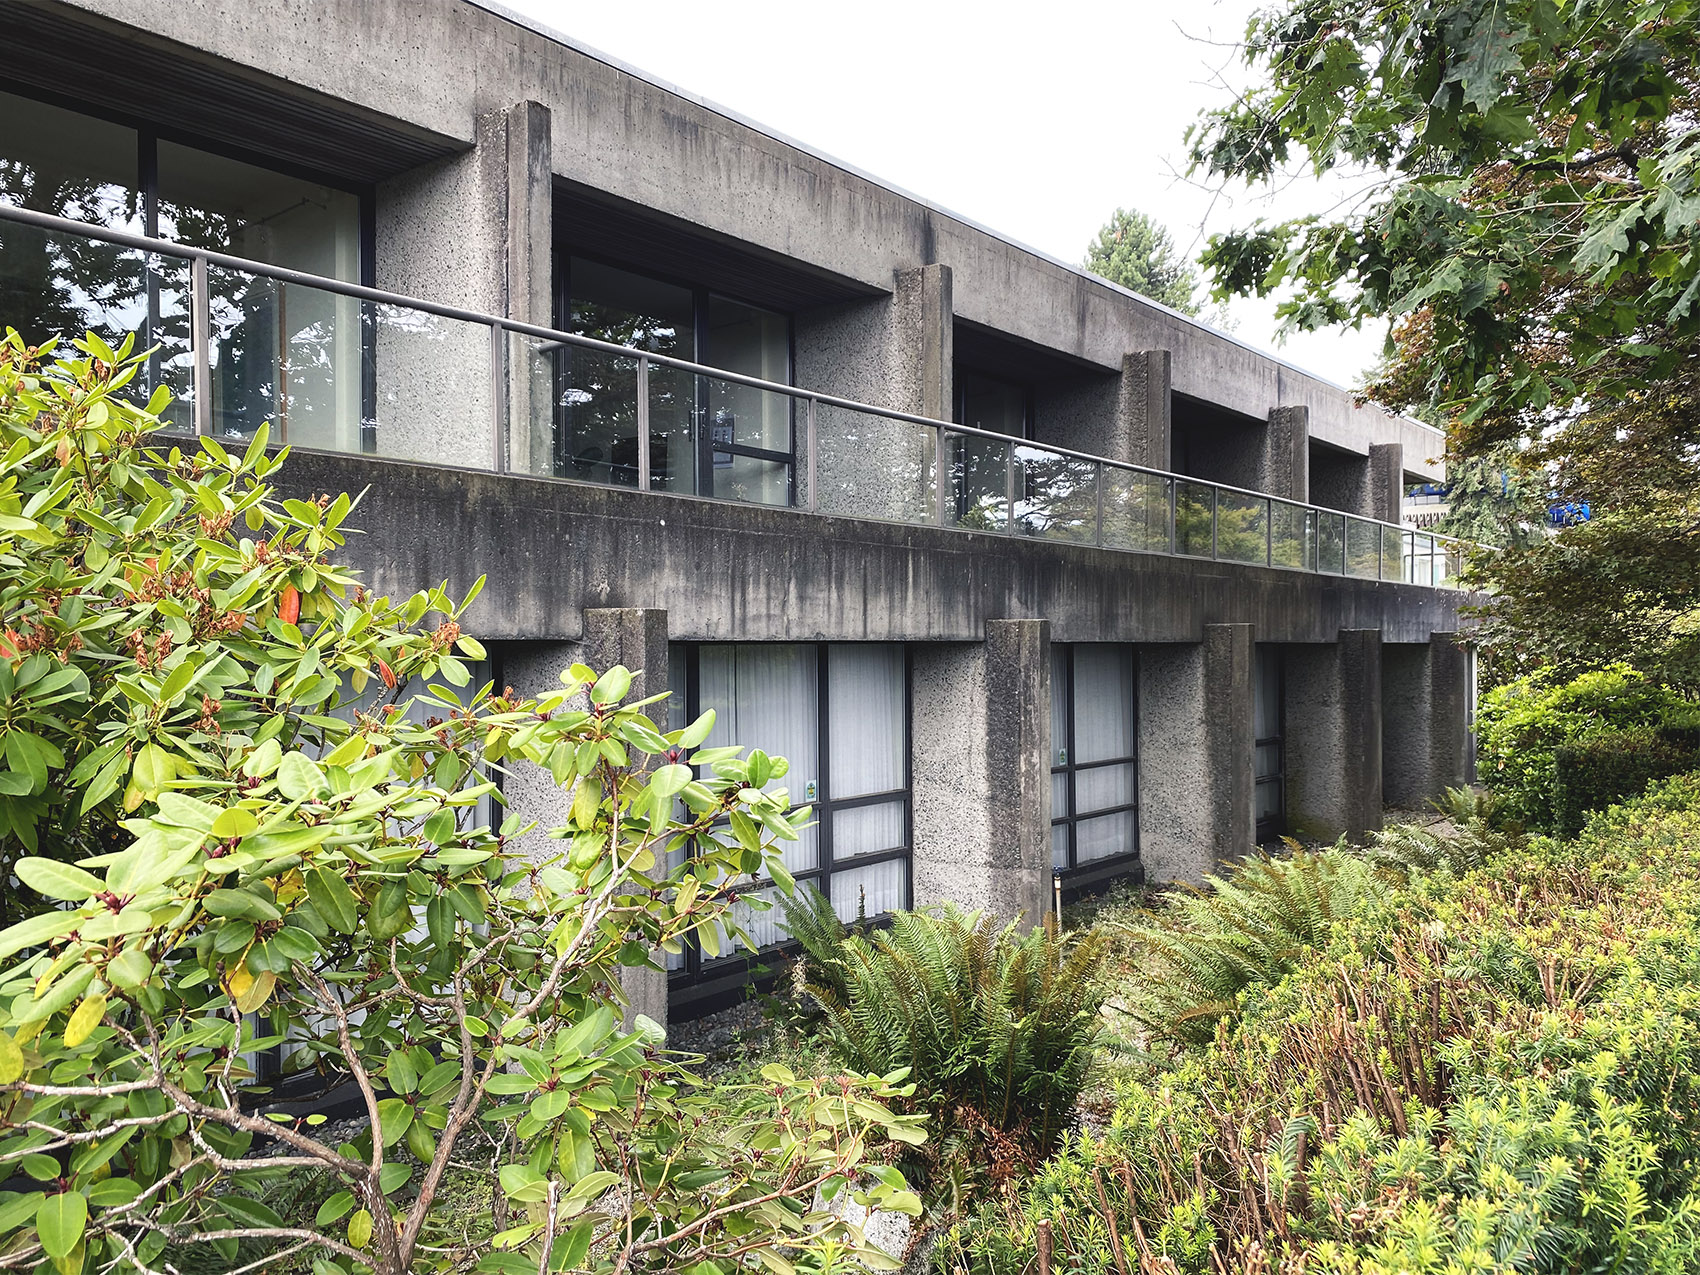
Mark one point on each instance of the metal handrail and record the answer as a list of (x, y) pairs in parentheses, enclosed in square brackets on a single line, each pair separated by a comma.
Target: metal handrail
[(203, 258)]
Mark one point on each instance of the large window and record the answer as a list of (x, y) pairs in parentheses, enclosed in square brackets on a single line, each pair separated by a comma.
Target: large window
[(706, 436), (1267, 727), (1094, 758), (288, 354), (839, 714)]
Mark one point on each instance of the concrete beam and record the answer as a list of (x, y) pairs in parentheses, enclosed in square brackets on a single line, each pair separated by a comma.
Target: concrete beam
[(1196, 754), (730, 572), (980, 767), (1425, 695), (637, 638), (1333, 737), (1286, 455)]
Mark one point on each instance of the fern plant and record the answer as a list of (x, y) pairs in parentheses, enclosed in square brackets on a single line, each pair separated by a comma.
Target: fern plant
[(1247, 928), (997, 1028), (1470, 837)]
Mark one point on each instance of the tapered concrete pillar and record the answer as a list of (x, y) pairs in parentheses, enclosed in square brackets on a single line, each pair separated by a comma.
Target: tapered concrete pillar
[(1144, 411), (981, 747), (1386, 481), (926, 321), (1333, 736), (1196, 753), (1425, 696), (1286, 457), (637, 638)]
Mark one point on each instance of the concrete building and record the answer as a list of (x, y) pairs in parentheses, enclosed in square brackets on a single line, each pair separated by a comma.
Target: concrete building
[(1022, 571)]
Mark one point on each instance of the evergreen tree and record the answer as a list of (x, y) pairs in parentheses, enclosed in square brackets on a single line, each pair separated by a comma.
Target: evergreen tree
[(1137, 253)]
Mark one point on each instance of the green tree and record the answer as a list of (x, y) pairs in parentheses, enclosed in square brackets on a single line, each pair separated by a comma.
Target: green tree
[(1530, 205), (1137, 253), (275, 787)]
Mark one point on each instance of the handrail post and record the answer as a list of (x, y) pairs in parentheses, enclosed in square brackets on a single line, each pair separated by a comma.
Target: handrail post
[(643, 422), (1100, 471), (499, 423), (200, 322), (809, 441), (939, 469), (1215, 517), (1174, 502), (1269, 532), (1009, 488)]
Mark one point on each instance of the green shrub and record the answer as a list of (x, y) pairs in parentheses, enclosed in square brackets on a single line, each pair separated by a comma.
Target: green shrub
[(1593, 773), (1494, 1072), (1520, 727), (997, 1028), (1468, 839), (1249, 928)]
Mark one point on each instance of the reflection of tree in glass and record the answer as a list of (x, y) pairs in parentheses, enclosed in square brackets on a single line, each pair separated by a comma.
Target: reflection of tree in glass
[(1240, 528), (1056, 496), (1194, 515), (600, 441), (1136, 510)]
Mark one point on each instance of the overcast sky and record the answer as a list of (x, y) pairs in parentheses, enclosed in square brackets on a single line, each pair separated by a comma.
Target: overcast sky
[(1034, 120)]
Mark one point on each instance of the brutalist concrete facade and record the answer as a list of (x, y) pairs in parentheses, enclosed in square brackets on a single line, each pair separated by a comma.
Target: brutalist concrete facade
[(489, 151)]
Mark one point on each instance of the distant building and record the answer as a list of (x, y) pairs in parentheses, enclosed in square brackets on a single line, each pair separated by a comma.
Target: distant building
[(1023, 572)]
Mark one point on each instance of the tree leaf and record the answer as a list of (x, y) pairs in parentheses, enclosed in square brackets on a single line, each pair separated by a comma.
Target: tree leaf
[(60, 1221), (58, 880)]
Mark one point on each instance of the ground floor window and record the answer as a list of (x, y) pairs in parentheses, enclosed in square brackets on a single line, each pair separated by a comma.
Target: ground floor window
[(839, 714), (1268, 714), (1094, 757)]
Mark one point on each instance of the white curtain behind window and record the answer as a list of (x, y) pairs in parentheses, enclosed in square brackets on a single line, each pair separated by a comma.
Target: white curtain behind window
[(865, 718), (1103, 703)]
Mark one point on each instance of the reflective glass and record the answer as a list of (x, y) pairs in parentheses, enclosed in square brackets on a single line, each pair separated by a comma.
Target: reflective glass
[(1136, 510), (985, 402), (1363, 549), (1242, 527), (1056, 496), (1330, 543), (979, 481), (1195, 515), (1292, 535), (870, 466)]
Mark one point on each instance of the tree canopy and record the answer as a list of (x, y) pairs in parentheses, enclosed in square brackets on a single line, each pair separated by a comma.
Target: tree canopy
[(1137, 253), (1526, 219)]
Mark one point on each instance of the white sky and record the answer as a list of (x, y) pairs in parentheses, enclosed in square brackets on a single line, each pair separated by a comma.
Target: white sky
[(1034, 120)]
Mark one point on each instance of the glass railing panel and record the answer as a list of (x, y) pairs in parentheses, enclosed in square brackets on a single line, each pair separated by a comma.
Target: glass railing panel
[(1195, 518), (979, 482), (1451, 563), (748, 449), (573, 413), (1330, 542), (1423, 561), (870, 466), (1363, 548), (1136, 510), (1292, 536), (1242, 527), (1392, 554), (1056, 496), (292, 355)]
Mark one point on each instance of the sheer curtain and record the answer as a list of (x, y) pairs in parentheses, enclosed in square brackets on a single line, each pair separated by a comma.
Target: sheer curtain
[(1104, 728), (867, 737), (1266, 724)]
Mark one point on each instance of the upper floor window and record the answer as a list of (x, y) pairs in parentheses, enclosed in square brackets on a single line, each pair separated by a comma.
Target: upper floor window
[(993, 404), (706, 436), (78, 166)]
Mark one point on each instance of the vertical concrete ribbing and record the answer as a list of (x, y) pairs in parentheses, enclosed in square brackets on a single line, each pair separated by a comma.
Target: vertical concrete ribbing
[(1144, 410), (1286, 460), (981, 773), (1426, 740), (1196, 754), (1386, 495), (925, 333)]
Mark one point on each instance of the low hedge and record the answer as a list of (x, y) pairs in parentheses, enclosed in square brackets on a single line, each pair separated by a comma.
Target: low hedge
[(1594, 773), (1493, 1072)]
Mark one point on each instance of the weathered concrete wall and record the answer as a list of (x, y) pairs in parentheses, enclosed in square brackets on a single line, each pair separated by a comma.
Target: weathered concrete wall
[(1285, 470), (1196, 754), (743, 573), (1333, 737), (980, 771), (1425, 694), (438, 65)]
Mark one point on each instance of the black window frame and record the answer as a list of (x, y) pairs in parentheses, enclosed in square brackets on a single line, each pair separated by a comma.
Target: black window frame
[(704, 984), (701, 352), (1271, 827), (1076, 875)]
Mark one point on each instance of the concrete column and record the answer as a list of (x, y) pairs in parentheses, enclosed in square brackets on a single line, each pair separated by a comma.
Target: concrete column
[(1196, 754), (981, 751), (1386, 481), (471, 230), (1425, 694), (1144, 412), (637, 638), (1333, 737), (1285, 471), (925, 326)]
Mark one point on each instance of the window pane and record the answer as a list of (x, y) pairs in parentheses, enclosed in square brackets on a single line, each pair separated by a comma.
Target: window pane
[(1268, 760), (871, 891), (865, 719), (1268, 800), (763, 696), (979, 478), (755, 342), (70, 165), (984, 402), (1059, 845), (1104, 787), (1266, 693), (1106, 835), (1059, 795), (1103, 702), (867, 830)]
